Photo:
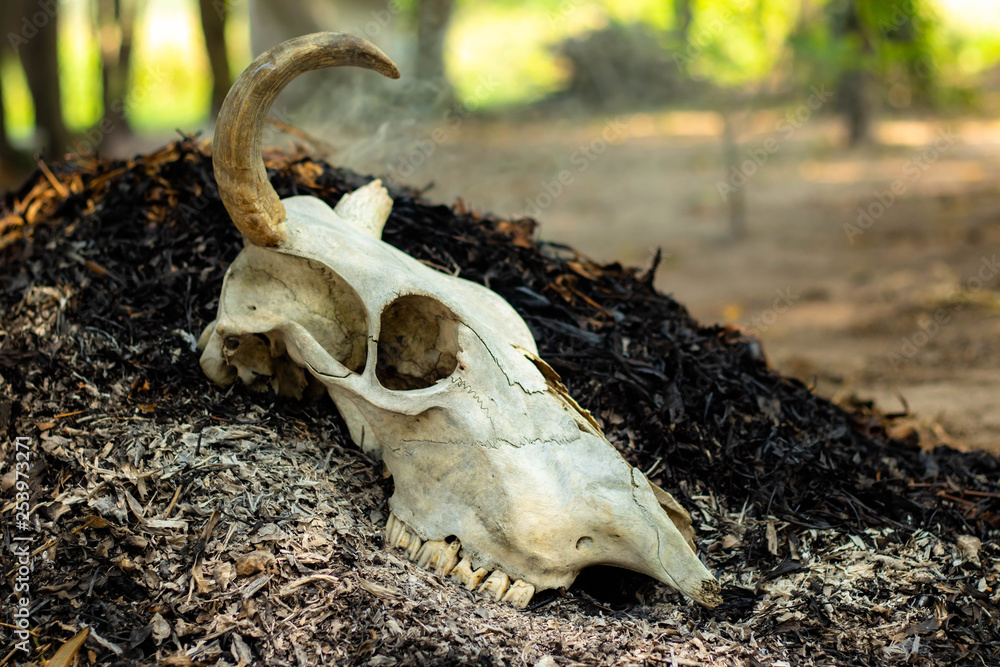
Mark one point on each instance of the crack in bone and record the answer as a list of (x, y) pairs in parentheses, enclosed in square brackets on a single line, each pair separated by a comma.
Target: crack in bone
[(445, 560)]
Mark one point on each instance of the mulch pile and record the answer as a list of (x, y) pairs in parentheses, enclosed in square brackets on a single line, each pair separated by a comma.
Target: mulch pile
[(188, 525)]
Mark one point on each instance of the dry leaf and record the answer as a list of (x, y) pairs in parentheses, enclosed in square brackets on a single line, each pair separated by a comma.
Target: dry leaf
[(64, 656), (161, 629), (254, 562), (378, 590), (772, 538)]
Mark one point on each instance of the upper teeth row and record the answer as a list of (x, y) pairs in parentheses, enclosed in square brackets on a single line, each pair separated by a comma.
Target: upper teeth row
[(445, 559)]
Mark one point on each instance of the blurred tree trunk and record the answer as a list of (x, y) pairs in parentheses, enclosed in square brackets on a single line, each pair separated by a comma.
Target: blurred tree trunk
[(432, 27), (40, 59), (8, 154), (857, 89), (683, 15), (274, 21), (116, 27), (213, 25), (737, 199)]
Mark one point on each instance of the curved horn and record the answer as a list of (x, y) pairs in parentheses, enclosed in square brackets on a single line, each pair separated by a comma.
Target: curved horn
[(236, 149)]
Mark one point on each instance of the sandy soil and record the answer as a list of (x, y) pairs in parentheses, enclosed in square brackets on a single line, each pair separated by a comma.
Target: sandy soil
[(903, 308)]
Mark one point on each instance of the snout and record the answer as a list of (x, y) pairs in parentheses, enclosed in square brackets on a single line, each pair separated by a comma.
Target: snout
[(686, 573), (671, 560)]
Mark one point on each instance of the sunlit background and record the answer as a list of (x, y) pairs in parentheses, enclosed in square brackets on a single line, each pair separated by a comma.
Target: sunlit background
[(514, 43)]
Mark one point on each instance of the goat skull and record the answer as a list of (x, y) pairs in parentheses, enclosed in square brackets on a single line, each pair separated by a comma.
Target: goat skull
[(496, 468)]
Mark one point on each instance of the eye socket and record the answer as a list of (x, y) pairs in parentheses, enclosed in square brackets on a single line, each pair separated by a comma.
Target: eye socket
[(417, 343), (584, 543), (302, 291)]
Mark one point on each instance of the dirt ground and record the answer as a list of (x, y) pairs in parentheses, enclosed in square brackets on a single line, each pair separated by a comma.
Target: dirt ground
[(845, 302)]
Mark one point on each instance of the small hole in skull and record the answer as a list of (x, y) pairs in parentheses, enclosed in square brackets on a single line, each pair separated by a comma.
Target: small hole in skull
[(232, 342), (584, 542), (614, 586), (450, 539), (417, 343)]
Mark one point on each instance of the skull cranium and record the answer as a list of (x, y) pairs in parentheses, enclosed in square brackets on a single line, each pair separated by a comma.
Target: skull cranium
[(495, 467)]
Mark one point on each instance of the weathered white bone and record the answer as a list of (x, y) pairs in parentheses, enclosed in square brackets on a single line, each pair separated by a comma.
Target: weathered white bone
[(496, 468)]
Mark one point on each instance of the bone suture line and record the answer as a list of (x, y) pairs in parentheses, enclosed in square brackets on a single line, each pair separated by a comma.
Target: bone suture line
[(445, 560)]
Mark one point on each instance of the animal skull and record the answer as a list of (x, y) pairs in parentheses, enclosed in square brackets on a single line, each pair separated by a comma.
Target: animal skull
[(496, 468)]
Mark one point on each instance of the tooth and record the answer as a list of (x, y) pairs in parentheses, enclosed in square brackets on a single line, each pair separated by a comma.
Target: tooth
[(414, 548), (428, 552), (495, 585), (392, 528), (519, 594), (464, 575), (446, 559), (398, 533)]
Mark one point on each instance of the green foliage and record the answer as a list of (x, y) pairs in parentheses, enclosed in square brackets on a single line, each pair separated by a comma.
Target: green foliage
[(916, 54), (902, 34), (904, 44), (736, 42)]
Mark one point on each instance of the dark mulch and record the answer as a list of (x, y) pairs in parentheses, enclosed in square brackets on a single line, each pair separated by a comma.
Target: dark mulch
[(140, 248)]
